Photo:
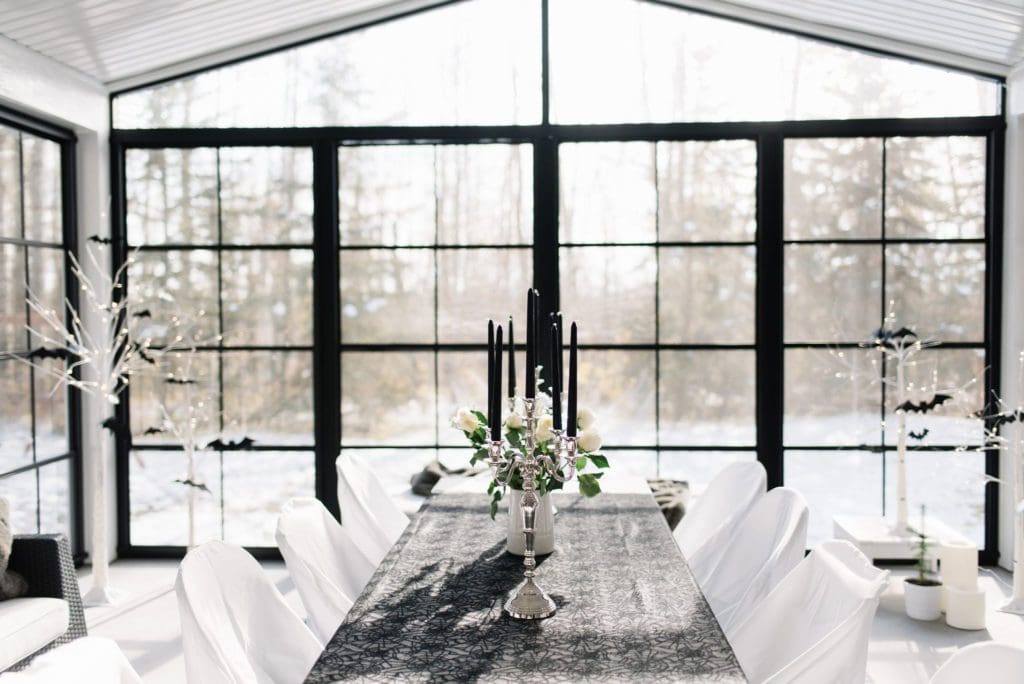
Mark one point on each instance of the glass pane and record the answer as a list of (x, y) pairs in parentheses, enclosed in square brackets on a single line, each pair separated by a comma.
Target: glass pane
[(625, 61), (706, 295), (267, 296), (631, 463), (935, 187), (176, 284), (938, 290), (46, 281), (475, 285), (950, 484), (467, 63), (51, 412), (835, 483), (386, 195), (395, 467), (698, 468), (20, 491), (266, 195), (485, 194), (15, 415), (955, 372), (256, 485), (707, 191), (41, 166), (55, 498), (833, 396), (833, 188), (12, 299), (10, 183), (178, 404), (833, 292), (387, 296), (268, 396), (707, 397), (607, 192), (171, 196), (160, 500), (388, 398), (462, 381), (618, 386), (610, 292)]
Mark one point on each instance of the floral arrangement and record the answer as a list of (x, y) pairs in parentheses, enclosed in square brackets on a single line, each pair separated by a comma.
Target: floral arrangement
[(473, 425)]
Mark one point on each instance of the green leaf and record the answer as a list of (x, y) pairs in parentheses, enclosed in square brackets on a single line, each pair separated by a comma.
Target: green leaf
[(494, 503), (589, 486), (581, 463), (599, 460), (479, 416)]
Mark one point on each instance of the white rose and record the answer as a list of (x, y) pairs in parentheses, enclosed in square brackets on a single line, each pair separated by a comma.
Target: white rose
[(514, 421), (589, 441), (541, 402), (465, 420), (544, 425), (585, 419)]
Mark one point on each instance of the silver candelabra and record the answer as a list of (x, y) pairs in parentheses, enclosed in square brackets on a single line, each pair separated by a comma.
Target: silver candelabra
[(529, 601)]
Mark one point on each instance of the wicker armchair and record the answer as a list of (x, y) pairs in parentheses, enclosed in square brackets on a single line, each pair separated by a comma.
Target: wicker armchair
[(45, 561)]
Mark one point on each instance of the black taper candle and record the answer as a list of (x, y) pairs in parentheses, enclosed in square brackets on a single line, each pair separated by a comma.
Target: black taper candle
[(557, 372), (556, 392), (530, 390), (571, 431), (490, 371), (561, 346), (536, 332), (511, 362), (496, 423)]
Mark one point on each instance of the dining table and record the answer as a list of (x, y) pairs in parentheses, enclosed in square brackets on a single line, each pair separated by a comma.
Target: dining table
[(628, 608)]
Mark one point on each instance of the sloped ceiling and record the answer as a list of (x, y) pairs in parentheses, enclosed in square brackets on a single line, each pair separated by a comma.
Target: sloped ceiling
[(122, 43)]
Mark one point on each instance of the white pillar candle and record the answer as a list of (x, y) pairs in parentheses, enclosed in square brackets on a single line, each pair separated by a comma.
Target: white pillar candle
[(959, 566), (965, 609)]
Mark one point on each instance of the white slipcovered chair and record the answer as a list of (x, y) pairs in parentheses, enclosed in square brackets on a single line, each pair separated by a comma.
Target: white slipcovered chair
[(93, 659), (989, 662), (768, 543), (815, 625), (327, 566), (704, 531), (235, 625), (367, 512)]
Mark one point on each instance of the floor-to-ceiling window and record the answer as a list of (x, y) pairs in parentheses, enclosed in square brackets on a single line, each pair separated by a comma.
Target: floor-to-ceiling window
[(726, 232), (39, 467)]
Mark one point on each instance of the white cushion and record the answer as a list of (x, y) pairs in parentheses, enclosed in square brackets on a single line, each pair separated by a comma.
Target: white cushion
[(88, 659), (28, 624)]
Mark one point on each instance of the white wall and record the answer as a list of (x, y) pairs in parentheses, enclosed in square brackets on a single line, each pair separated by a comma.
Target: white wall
[(36, 85)]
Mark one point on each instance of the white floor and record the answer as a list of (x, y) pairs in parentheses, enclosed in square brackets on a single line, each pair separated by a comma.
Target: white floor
[(145, 624)]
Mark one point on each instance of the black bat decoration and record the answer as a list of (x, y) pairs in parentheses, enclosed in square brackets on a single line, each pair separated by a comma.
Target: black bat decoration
[(100, 240), (1000, 419), (44, 353), (180, 381), (924, 406), (117, 428), (887, 337), (197, 485), (145, 313), (154, 431), (919, 435), (144, 356), (243, 443)]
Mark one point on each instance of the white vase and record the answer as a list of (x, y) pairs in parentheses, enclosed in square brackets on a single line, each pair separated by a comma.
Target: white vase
[(543, 537), (923, 602)]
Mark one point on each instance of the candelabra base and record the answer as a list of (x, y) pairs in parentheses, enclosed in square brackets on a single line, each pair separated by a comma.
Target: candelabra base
[(530, 602)]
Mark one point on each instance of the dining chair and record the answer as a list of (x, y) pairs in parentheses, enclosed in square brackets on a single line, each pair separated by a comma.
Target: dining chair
[(327, 566), (96, 660), (768, 543), (815, 625), (235, 625), (990, 662), (711, 521), (374, 521)]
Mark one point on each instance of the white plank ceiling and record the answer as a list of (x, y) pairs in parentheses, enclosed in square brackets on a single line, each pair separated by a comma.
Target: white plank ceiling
[(127, 42)]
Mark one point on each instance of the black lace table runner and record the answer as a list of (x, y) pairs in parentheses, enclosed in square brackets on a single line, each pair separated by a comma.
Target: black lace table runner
[(628, 607)]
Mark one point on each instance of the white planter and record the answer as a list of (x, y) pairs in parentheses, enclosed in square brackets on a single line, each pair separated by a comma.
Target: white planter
[(923, 602), (543, 537)]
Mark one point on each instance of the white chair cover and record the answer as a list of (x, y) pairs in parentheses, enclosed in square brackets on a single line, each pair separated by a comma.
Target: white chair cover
[(92, 659), (769, 542), (328, 568), (367, 512), (704, 531), (815, 626), (235, 625), (988, 662)]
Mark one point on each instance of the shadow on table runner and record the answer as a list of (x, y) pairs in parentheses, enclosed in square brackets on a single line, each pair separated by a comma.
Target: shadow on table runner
[(627, 605)]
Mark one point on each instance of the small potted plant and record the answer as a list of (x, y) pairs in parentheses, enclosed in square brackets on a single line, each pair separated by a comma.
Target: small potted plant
[(922, 593)]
